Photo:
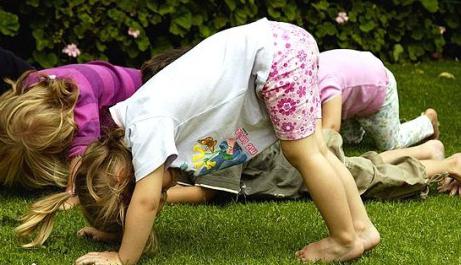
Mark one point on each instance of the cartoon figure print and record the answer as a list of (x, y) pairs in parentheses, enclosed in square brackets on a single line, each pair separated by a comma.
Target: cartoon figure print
[(206, 159)]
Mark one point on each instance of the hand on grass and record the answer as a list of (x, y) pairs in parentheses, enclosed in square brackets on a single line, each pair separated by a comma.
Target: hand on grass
[(95, 234), (451, 186), (99, 258)]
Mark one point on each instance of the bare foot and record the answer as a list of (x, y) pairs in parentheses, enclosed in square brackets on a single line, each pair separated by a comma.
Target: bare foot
[(368, 234), (432, 115), (455, 166), (434, 149), (328, 249)]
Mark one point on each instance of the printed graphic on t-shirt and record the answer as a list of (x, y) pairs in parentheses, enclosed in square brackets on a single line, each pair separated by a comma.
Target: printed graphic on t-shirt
[(209, 156)]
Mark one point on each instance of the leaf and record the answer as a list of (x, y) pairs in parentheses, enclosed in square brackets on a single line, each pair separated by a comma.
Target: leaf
[(33, 3), (46, 60), (274, 13), (447, 75), (205, 31), (231, 4), (9, 24), (184, 20), (326, 28), (366, 27), (431, 5), (415, 51), (398, 50), (322, 5)]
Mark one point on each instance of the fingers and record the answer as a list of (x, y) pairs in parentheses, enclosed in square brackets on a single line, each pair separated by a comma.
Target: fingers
[(89, 258), (98, 258), (86, 231), (455, 190), (447, 184)]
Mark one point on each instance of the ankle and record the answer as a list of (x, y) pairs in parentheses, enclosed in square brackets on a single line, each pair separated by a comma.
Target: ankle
[(360, 226), (345, 238)]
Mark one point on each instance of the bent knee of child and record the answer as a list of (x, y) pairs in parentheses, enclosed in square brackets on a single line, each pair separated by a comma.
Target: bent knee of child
[(298, 151)]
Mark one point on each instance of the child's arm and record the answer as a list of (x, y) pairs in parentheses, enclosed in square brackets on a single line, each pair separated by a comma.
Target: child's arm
[(331, 113), (140, 217), (190, 194)]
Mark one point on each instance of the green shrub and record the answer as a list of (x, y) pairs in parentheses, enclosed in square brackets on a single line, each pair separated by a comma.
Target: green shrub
[(398, 30)]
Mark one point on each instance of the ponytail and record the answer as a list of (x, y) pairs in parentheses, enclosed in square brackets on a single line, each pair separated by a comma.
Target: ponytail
[(61, 91), (40, 219)]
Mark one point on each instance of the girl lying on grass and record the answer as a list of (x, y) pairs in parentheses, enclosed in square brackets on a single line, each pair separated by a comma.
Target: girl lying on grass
[(393, 174), (236, 87), (359, 95)]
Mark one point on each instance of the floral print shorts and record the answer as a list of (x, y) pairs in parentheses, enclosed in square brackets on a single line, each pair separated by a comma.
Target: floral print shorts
[(291, 93)]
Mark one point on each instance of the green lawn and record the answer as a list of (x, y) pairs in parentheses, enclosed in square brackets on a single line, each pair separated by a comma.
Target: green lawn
[(413, 232)]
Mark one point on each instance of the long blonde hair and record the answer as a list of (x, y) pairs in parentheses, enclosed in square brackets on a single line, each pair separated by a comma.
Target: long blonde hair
[(104, 184), (36, 129)]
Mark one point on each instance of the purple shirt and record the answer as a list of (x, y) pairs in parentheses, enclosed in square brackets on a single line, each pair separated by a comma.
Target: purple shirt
[(359, 77), (101, 85)]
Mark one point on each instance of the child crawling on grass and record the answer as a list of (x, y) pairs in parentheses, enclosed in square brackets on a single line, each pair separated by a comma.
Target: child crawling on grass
[(255, 84), (359, 95)]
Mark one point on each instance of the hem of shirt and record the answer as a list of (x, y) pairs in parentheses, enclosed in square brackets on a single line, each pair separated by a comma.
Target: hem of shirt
[(217, 188), (144, 171), (330, 98)]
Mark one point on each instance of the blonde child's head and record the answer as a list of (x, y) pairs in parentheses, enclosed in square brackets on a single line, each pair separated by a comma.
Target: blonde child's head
[(36, 128), (104, 184)]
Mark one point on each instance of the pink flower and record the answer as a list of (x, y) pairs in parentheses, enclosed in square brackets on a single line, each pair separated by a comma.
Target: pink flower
[(133, 32), (301, 91), (442, 29), (301, 55), (342, 18), (288, 126), (286, 106), (71, 50)]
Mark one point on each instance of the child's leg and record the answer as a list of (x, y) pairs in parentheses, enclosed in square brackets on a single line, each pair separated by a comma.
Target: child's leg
[(384, 126), (328, 194), (430, 150), (189, 194), (363, 226), (292, 101)]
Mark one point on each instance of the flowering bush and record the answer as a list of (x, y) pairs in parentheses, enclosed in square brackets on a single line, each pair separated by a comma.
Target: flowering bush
[(130, 31)]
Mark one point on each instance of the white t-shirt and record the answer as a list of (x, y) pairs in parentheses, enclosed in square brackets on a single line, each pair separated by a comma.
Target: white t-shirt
[(201, 113)]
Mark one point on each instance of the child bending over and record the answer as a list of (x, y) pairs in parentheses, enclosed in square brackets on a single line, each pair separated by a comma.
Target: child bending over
[(219, 105)]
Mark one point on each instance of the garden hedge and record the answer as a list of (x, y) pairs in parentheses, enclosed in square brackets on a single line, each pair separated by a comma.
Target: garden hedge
[(130, 31)]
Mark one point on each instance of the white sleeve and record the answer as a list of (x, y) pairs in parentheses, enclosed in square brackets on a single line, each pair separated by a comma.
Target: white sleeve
[(152, 144)]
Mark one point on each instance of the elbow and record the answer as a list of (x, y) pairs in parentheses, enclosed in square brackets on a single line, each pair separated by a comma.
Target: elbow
[(332, 126), (148, 205)]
